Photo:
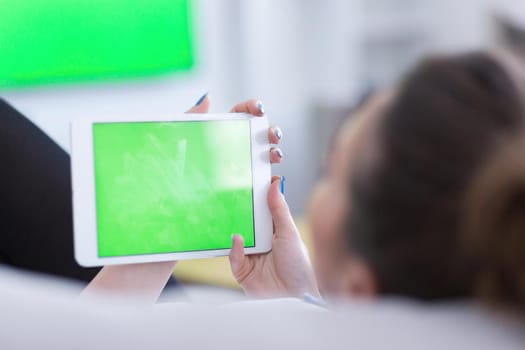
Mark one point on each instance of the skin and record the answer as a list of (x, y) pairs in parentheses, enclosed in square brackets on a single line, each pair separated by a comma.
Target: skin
[(286, 270)]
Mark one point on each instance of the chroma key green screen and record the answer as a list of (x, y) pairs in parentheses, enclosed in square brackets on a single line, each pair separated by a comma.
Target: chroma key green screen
[(51, 41), (165, 187)]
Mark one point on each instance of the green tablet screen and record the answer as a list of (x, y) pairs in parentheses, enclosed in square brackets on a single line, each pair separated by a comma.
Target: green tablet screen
[(164, 187)]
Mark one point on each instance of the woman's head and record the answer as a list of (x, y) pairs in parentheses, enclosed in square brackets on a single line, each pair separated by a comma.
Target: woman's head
[(406, 227)]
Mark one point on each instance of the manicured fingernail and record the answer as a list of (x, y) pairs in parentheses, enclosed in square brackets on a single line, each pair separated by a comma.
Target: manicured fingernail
[(203, 97), (278, 133), (260, 107), (279, 152), (283, 179)]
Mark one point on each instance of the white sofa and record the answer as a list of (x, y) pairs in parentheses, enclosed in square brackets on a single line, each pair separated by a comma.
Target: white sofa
[(42, 313)]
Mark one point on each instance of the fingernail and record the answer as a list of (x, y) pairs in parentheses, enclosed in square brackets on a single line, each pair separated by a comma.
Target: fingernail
[(283, 179), (260, 107), (203, 97), (233, 236), (278, 133), (279, 152)]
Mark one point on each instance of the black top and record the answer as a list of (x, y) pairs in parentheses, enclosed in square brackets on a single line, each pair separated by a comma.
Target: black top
[(36, 229)]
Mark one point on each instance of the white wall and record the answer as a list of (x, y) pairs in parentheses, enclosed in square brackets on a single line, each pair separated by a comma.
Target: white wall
[(292, 54)]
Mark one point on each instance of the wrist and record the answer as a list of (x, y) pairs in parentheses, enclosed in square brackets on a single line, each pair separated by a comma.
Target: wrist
[(143, 282)]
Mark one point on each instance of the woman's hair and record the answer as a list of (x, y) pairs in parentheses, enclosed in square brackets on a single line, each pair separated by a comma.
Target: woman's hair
[(440, 213), (494, 225)]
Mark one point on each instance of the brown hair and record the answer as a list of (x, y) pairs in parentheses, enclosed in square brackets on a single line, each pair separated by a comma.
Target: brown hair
[(408, 207), (494, 225)]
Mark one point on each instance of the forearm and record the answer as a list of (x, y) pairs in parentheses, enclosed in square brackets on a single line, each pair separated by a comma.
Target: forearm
[(142, 282)]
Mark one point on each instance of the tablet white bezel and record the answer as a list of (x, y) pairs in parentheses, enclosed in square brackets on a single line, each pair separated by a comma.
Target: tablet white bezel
[(83, 184)]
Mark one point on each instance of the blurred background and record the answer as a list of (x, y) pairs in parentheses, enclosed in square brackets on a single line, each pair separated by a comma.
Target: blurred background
[(309, 61)]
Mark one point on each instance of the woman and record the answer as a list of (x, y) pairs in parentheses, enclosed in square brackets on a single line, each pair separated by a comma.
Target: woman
[(423, 198)]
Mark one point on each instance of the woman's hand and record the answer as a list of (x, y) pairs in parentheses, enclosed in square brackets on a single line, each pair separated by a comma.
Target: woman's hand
[(145, 282), (255, 108), (286, 270)]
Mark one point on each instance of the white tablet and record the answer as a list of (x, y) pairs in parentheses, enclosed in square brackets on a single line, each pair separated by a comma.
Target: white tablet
[(169, 188)]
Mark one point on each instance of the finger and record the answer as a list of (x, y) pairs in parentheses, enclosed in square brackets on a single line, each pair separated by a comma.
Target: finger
[(253, 107), (275, 134), (202, 105), (282, 219), (237, 255), (276, 155), (275, 178)]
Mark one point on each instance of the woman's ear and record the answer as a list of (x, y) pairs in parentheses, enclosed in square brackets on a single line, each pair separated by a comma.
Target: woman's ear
[(359, 281)]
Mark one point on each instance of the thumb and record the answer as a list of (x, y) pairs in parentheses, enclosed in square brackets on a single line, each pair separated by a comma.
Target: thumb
[(282, 219), (237, 257), (202, 105)]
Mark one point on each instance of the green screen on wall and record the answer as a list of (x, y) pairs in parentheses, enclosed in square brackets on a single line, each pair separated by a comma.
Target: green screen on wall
[(49, 41)]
